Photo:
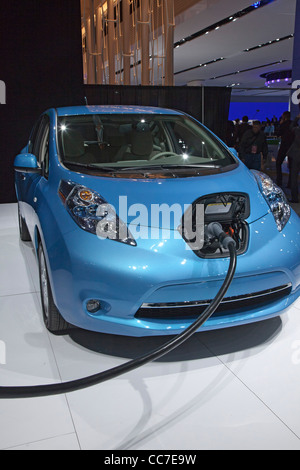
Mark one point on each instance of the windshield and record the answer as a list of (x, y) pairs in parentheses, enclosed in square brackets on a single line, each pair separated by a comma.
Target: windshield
[(121, 142)]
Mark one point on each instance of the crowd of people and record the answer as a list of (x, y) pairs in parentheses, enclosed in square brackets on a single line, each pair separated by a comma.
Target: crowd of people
[(250, 141)]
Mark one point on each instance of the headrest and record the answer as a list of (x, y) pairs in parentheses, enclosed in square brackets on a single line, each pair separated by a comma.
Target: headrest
[(73, 143), (142, 126), (141, 143)]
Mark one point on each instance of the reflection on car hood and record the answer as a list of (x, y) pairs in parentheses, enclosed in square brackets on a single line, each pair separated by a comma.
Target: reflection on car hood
[(182, 191)]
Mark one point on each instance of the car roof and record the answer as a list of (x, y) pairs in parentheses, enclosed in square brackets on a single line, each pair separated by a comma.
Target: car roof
[(118, 109)]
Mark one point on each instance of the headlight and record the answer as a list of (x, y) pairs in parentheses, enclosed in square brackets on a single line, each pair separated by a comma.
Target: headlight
[(275, 198), (93, 214)]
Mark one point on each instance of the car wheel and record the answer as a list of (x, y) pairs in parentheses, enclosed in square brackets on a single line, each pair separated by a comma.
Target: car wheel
[(24, 234), (52, 318)]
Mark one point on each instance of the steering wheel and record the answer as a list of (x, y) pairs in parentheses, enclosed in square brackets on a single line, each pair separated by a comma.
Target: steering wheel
[(163, 154)]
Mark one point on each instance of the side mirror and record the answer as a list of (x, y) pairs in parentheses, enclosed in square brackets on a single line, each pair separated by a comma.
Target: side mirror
[(233, 150), (26, 163)]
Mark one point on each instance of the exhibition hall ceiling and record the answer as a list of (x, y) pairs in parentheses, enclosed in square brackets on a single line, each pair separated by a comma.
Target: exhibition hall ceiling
[(229, 42), (269, 30)]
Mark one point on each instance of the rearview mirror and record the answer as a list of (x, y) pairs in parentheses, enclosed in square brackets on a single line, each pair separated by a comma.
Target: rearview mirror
[(26, 163)]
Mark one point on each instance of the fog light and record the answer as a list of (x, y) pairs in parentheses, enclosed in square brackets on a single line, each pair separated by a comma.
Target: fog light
[(93, 306)]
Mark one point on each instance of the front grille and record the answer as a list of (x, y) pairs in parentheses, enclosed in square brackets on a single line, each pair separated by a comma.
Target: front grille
[(229, 305)]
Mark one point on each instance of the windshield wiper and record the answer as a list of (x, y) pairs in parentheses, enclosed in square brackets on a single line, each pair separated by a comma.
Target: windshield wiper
[(167, 167), (196, 165), (89, 166), (123, 169)]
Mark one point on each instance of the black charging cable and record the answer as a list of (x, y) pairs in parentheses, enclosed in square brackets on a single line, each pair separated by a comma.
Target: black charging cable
[(213, 230)]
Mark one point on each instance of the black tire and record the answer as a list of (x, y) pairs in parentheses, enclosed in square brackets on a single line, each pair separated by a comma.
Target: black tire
[(53, 320), (23, 230)]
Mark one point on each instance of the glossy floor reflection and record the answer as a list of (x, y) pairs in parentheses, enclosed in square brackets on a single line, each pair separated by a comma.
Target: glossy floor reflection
[(231, 389)]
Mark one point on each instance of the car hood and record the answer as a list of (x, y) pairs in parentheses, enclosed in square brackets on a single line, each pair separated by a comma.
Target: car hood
[(138, 197)]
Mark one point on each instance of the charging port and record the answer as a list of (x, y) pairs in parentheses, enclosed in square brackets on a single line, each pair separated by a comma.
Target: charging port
[(230, 210)]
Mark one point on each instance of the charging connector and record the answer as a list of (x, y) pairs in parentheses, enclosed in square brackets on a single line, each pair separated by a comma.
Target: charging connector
[(229, 210), (215, 230)]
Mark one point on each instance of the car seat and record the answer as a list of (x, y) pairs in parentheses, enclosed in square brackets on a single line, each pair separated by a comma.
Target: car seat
[(141, 147), (74, 148)]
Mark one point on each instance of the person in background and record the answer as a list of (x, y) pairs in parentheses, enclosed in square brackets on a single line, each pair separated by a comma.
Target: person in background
[(230, 134), (245, 126), (269, 128), (285, 132), (236, 131), (275, 122), (294, 154), (254, 147)]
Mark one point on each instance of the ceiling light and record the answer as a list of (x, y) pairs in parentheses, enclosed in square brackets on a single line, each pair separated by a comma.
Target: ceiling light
[(225, 21), (279, 77), (214, 61), (269, 43), (249, 69)]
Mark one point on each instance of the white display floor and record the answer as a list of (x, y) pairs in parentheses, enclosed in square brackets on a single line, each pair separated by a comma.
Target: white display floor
[(233, 389)]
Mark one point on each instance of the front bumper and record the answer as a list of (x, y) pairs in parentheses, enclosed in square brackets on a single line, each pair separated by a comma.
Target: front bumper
[(125, 278)]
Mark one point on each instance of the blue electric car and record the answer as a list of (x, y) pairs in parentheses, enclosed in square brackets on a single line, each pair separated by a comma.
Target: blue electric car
[(117, 200)]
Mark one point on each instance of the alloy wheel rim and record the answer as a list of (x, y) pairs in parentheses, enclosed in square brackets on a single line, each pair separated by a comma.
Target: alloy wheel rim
[(44, 284)]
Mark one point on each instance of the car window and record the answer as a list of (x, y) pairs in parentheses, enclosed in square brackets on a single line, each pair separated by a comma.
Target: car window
[(33, 136), (189, 141), (41, 145), (44, 150), (134, 140)]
